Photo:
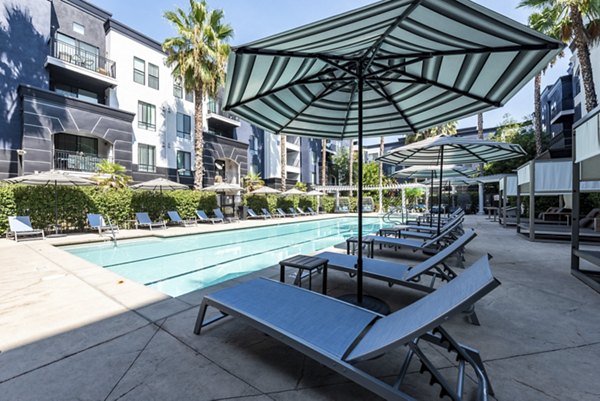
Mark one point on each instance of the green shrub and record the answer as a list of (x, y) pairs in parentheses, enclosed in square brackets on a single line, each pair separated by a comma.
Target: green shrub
[(8, 206)]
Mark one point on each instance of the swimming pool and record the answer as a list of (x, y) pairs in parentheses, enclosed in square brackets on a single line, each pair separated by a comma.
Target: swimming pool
[(179, 265)]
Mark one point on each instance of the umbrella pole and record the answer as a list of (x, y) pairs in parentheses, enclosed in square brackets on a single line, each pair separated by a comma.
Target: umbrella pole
[(439, 222), (359, 264), (431, 201)]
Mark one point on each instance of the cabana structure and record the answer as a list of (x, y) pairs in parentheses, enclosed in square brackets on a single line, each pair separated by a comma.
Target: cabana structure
[(507, 188), (586, 163), (549, 178)]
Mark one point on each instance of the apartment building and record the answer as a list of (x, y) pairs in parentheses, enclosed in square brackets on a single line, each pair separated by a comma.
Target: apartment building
[(84, 87)]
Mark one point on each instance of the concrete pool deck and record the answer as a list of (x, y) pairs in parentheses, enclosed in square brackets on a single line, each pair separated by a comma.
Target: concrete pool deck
[(73, 331)]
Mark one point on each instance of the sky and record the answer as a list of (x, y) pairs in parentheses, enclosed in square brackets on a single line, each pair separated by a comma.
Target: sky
[(255, 19)]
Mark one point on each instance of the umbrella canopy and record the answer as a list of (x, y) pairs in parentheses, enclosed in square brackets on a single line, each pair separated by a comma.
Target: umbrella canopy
[(223, 187), (55, 178), (314, 193), (432, 171), (450, 149), (293, 191), (265, 191), (161, 184), (389, 68)]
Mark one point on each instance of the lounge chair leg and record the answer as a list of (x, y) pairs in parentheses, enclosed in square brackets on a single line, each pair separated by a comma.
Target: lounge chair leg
[(472, 316), (200, 318), (436, 377)]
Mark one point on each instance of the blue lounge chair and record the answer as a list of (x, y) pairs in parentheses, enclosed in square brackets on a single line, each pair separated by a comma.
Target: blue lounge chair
[(252, 215), (176, 219), (281, 213), (97, 222), (203, 218), (219, 214), (338, 334), (20, 226), (292, 212), (143, 220), (311, 211), (302, 212), (265, 212)]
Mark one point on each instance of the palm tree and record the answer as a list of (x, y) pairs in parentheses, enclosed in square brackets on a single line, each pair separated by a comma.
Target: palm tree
[(111, 175), (323, 161), (564, 19), (198, 56), (283, 149), (252, 181), (381, 150), (537, 113)]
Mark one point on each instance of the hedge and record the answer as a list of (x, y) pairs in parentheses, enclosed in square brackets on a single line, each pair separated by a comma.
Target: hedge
[(74, 203)]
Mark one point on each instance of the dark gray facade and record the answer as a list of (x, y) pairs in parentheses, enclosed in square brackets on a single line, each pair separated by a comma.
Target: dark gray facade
[(24, 34), (558, 115), (46, 114), (220, 148)]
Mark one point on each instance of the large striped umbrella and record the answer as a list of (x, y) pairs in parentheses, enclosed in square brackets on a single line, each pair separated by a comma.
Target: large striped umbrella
[(392, 67)]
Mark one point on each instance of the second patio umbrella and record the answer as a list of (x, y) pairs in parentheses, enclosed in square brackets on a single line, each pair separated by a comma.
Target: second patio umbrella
[(160, 184), (389, 68)]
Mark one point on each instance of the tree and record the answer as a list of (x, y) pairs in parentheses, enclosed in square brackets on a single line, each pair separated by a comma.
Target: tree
[(511, 131), (413, 195), (564, 19), (351, 165), (198, 56), (301, 186), (111, 175), (340, 165), (252, 181), (381, 150), (449, 128), (323, 162), (283, 161)]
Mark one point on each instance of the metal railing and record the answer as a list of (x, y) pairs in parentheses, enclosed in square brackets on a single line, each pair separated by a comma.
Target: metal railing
[(76, 161), (83, 58), (215, 108)]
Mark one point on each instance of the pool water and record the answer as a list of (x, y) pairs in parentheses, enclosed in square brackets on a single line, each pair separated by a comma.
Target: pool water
[(179, 265)]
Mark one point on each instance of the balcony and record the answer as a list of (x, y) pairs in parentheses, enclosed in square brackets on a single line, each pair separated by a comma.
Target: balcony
[(68, 160), (293, 143), (220, 120), (81, 62)]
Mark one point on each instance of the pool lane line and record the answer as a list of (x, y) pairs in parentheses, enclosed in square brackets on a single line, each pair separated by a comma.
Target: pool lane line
[(212, 247), (234, 260)]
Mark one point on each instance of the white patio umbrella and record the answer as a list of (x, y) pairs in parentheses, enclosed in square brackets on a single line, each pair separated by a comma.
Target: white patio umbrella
[(223, 187), (389, 68), (54, 178), (318, 194), (293, 191), (265, 191), (160, 184), (442, 149)]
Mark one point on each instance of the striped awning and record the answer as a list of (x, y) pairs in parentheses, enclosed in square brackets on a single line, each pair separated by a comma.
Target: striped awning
[(451, 170), (420, 62), (444, 149)]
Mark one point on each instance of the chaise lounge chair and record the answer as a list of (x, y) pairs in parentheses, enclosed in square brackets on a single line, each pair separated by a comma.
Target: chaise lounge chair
[(292, 212), (281, 213), (339, 335), (311, 211), (302, 212), (588, 220), (176, 219), (425, 233), (20, 226), (219, 214), (265, 212), (97, 222), (143, 220), (252, 215), (203, 218), (432, 245)]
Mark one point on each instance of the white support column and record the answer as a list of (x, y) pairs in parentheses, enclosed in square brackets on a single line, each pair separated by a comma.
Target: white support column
[(481, 211)]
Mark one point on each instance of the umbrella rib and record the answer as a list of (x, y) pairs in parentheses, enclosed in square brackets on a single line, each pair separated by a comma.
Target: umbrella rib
[(387, 68), (287, 53), (478, 50), (383, 93), (450, 88), (471, 153), (348, 109), (338, 66), (324, 93), (377, 45), (286, 86)]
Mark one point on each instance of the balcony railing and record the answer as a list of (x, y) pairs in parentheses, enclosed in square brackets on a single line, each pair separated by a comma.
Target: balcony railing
[(76, 161), (215, 108), (82, 58)]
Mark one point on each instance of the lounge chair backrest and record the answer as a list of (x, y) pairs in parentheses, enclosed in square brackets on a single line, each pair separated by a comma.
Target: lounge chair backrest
[(218, 213), (202, 215), (174, 216), (19, 223), (280, 211), (143, 218), (292, 211), (442, 234), (265, 212), (251, 213), (426, 313), (439, 257), (589, 218), (95, 220), (311, 210)]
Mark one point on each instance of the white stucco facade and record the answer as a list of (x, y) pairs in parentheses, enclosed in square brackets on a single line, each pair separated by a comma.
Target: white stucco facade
[(579, 98)]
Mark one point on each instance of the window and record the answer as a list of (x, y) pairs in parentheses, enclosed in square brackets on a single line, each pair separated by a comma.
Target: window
[(153, 76), (189, 96), (177, 89), (146, 116), (146, 158), (78, 28), (139, 71), (77, 93), (184, 126), (184, 162), (76, 52)]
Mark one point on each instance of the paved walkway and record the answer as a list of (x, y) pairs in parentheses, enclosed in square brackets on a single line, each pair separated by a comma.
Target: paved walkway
[(72, 331)]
